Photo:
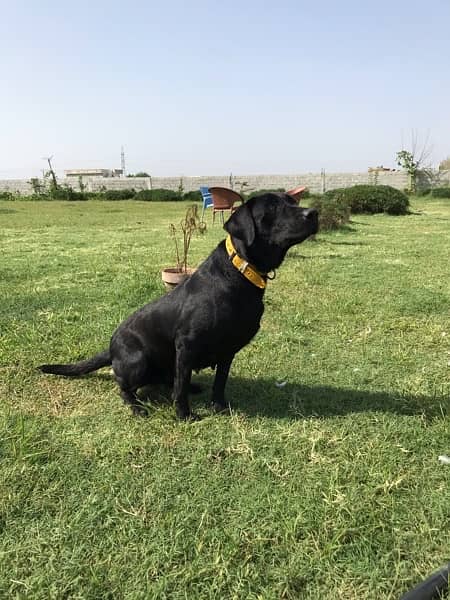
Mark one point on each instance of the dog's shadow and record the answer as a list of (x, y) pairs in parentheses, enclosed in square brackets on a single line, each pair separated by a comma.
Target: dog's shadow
[(297, 401), (292, 400)]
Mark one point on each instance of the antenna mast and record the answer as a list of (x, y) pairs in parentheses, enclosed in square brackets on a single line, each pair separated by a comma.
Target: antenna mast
[(122, 161)]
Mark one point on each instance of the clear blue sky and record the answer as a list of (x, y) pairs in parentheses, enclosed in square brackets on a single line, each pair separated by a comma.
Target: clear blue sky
[(211, 87)]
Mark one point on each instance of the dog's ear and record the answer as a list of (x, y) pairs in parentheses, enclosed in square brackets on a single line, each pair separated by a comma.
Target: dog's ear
[(241, 225)]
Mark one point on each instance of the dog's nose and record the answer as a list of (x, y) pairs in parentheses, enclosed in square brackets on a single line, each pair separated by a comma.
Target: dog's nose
[(312, 217), (311, 214)]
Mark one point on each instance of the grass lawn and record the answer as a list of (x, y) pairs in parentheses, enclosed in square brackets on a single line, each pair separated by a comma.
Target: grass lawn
[(326, 488)]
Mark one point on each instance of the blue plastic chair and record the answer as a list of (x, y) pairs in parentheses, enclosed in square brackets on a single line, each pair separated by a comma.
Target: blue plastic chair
[(207, 199)]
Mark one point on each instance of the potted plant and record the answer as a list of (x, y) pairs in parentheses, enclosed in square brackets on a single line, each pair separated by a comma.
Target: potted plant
[(190, 224)]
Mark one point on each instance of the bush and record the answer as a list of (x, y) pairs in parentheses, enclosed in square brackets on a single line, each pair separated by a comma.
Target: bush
[(7, 196), (372, 199), (119, 194), (260, 192), (145, 195), (65, 194), (192, 197), (333, 212), (441, 192), (157, 195), (162, 195), (426, 191)]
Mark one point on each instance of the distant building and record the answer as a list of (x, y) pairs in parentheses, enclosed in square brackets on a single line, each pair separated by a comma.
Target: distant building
[(93, 173), (380, 168), (444, 165)]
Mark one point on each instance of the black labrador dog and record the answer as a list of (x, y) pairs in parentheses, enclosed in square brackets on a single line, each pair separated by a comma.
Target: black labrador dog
[(206, 320)]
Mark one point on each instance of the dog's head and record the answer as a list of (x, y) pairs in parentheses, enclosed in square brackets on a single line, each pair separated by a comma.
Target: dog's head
[(265, 227)]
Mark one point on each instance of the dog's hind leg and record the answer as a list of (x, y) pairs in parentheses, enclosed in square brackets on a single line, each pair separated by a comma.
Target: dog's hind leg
[(130, 376), (130, 398)]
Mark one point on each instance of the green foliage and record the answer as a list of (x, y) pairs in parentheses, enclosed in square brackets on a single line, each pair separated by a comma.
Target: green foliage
[(372, 199), (192, 197), (441, 192), (405, 160), (50, 192), (138, 174), (157, 195), (180, 189), (66, 193), (37, 186), (143, 195), (50, 189), (7, 196), (81, 184), (260, 192), (119, 194), (333, 212)]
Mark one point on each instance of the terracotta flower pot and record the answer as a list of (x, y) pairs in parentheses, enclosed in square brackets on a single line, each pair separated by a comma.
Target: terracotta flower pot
[(173, 276)]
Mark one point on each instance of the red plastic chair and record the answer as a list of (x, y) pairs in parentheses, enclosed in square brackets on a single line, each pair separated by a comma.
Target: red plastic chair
[(224, 199), (297, 192)]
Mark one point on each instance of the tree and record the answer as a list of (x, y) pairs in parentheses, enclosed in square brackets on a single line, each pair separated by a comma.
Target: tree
[(51, 173), (415, 160)]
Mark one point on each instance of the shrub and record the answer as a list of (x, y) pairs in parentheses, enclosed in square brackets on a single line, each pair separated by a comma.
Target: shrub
[(119, 194), (157, 195), (441, 192), (94, 195), (396, 202), (372, 199), (65, 193), (333, 212), (193, 196), (7, 196), (145, 195), (162, 195), (260, 192)]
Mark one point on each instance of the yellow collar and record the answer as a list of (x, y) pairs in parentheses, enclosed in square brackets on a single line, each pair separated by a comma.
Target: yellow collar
[(244, 267)]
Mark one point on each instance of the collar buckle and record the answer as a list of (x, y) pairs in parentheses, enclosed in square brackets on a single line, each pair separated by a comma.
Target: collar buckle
[(248, 271), (243, 266)]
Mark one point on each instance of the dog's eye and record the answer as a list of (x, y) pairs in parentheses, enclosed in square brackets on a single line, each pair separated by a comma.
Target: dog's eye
[(269, 215)]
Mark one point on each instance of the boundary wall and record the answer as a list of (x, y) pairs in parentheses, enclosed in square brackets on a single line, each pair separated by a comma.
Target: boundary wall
[(315, 182)]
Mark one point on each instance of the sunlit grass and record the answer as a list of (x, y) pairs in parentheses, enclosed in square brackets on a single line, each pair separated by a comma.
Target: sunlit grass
[(328, 487)]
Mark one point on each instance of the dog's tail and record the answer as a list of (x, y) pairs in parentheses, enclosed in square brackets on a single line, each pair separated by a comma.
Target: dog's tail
[(103, 359)]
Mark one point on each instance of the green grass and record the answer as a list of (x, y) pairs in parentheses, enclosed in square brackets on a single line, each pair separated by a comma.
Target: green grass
[(328, 487)]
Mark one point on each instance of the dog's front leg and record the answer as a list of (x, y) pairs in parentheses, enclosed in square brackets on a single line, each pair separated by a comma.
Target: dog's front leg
[(181, 383), (218, 394)]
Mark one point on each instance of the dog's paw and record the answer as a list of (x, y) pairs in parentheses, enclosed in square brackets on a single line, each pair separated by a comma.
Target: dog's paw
[(192, 418), (139, 410)]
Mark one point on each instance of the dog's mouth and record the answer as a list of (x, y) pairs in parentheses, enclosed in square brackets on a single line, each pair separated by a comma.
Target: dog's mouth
[(311, 217), (309, 225)]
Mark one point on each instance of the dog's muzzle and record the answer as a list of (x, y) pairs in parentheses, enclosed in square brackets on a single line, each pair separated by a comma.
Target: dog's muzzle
[(312, 218)]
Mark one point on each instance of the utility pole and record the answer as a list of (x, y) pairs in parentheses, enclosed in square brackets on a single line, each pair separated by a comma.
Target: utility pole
[(323, 183), (51, 171)]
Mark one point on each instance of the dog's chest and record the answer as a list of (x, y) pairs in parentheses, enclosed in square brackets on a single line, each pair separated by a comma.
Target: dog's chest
[(225, 336)]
